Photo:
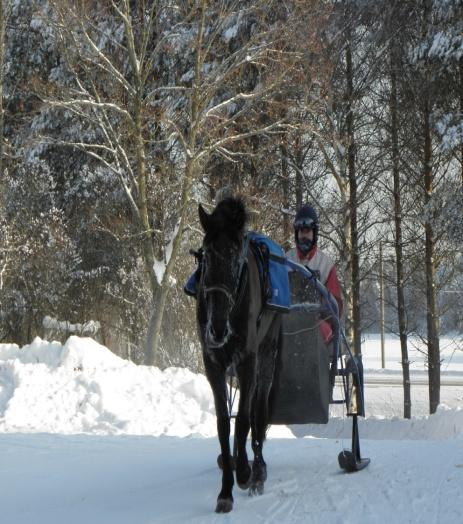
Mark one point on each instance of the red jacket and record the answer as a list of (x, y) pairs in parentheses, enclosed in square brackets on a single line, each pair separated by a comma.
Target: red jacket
[(319, 261)]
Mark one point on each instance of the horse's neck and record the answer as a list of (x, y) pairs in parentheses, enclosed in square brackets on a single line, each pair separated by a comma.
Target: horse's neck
[(255, 293)]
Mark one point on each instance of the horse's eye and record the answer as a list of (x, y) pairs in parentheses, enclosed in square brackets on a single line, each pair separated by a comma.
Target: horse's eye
[(206, 254)]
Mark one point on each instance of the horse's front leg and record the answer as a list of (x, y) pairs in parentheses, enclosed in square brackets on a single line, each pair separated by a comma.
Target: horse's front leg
[(216, 377)]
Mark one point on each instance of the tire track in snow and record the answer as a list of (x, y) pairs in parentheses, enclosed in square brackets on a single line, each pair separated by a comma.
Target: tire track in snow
[(296, 501), (442, 491)]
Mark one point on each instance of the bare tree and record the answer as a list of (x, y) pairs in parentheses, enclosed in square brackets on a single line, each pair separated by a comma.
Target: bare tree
[(158, 114), (336, 158), (394, 67)]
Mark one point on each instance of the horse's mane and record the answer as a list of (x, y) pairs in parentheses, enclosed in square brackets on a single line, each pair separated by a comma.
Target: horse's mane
[(230, 216)]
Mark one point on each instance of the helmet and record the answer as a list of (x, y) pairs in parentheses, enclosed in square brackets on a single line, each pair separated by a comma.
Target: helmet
[(306, 217)]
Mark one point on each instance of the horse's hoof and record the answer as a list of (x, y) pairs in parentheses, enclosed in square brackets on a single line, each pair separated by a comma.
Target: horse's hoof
[(256, 488), (244, 485), (243, 479), (224, 505)]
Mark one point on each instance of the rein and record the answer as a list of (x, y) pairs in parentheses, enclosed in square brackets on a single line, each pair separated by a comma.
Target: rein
[(242, 275)]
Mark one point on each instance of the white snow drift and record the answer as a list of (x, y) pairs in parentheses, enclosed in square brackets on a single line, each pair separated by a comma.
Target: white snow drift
[(82, 387), (108, 475)]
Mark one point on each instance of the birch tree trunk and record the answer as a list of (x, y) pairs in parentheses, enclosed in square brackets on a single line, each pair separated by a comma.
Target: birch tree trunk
[(398, 244), (287, 226), (161, 295), (2, 52), (353, 205), (460, 68), (298, 161), (432, 315)]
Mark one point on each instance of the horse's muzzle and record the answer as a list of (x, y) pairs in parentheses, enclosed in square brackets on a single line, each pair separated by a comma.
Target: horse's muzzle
[(217, 340)]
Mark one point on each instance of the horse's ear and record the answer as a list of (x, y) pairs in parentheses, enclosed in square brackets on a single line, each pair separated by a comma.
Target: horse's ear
[(203, 217), (240, 217)]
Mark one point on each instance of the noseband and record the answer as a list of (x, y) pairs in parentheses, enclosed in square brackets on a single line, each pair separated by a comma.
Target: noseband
[(219, 289)]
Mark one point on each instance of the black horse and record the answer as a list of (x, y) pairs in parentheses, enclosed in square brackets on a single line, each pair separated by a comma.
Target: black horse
[(236, 329)]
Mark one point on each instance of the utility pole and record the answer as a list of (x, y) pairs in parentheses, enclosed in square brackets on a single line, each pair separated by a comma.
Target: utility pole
[(381, 304)]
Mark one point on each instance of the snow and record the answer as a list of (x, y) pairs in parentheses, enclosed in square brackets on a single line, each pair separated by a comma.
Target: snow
[(160, 266), (231, 32), (91, 327), (87, 437), (82, 387)]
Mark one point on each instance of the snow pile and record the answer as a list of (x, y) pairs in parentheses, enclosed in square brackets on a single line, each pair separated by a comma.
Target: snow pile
[(77, 353), (83, 387), (446, 423)]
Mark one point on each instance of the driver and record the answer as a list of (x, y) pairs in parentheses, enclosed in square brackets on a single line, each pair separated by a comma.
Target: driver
[(307, 253)]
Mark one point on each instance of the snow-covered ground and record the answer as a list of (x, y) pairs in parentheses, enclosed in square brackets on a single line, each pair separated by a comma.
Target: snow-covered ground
[(86, 437)]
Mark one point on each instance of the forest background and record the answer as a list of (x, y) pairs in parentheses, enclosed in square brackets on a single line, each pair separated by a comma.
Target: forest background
[(118, 117)]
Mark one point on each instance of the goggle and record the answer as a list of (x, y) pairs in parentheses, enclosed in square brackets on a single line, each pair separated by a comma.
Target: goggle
[(305, 222)]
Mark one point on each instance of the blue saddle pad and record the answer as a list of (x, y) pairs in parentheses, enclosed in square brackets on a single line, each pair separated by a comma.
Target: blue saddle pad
[(279, 295)]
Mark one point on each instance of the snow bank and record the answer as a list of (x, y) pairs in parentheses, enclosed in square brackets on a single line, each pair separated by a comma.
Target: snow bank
[(76, 353), (446, 423), (82, 387)]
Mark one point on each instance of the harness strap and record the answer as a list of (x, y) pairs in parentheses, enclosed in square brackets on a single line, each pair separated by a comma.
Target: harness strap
[(263, 276), (242, 281)]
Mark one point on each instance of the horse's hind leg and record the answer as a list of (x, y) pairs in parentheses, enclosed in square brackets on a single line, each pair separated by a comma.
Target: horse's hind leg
[(260, 414), (246, 375), (217, 381), (259, 427)]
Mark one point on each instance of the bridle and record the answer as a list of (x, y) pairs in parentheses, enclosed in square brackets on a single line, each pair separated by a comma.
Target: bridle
[(236, 295)]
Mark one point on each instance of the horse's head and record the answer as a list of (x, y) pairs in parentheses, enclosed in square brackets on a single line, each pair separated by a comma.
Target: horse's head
[(223, 260)]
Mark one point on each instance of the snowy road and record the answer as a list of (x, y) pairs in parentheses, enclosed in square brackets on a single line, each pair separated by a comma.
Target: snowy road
[(48, 479), (69, 416), (389, 381)]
